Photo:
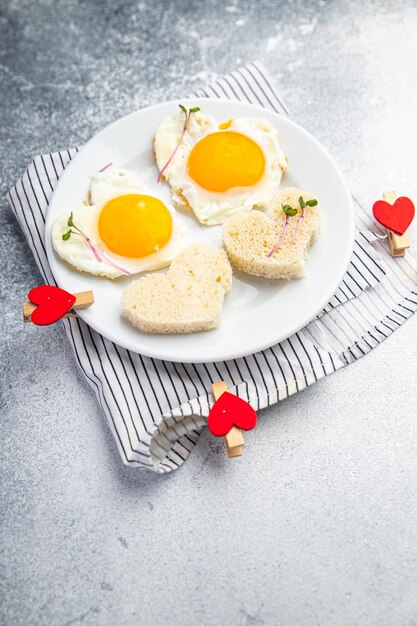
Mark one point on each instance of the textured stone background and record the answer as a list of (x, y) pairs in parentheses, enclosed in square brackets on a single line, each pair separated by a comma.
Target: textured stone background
[(317, 523)]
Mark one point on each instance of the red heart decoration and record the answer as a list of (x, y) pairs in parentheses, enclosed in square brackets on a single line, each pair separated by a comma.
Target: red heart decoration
[(228, 411), (52, 302), (397, 216)]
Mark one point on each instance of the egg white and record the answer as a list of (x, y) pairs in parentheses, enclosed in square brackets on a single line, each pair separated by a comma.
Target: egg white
[(105, 186), (212, 207), (113, 182)]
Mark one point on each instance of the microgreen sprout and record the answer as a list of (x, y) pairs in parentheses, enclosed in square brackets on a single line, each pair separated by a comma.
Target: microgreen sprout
[(187, 115), (303, 204), (289, 212), (100, 256), (105, 167)]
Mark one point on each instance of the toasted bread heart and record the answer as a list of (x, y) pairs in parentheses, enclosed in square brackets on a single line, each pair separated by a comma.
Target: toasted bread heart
[(186, 299), (249, 237)]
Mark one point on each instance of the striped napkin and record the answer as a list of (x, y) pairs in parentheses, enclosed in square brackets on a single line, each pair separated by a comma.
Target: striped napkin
[(157, 409)]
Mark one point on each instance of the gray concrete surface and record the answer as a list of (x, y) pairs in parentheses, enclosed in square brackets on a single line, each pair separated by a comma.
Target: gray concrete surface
[(317, 523)]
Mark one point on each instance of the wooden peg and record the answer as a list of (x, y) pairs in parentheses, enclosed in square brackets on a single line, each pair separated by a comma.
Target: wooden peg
[(28, 309), (398, 243), (83, 300), (234, 439)]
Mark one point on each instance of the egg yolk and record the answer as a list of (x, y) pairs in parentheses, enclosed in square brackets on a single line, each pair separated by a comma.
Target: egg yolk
[(135, 225), (226, 125), (226, 159)]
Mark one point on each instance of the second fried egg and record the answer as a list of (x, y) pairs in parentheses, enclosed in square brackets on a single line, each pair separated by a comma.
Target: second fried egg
[(220, 169), (132, 230)]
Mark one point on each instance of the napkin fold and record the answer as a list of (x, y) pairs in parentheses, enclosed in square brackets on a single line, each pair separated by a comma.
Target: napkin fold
[(157, 409)]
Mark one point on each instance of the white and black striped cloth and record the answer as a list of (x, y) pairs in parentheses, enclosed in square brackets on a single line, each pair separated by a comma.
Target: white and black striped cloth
[(157, 409)]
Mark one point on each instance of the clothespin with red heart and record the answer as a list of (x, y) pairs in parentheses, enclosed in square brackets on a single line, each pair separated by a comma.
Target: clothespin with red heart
[(396, 214), (48, 304), (228, 417)]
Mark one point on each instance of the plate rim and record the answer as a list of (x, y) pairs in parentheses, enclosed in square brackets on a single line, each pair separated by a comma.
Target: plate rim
[(158, 354)]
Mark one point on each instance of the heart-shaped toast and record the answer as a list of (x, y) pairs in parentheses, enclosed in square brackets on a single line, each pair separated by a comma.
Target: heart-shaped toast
[(186, 299), (397, 216), (228, 411), (250, 236), (52, 302)]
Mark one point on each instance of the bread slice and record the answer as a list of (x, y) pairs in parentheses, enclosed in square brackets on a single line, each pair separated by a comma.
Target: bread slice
[(186, 299), (249, 237)]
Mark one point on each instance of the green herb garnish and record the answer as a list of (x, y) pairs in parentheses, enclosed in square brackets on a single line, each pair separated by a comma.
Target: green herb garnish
[(303, 204), (184, 130), (97, 253), (289, 212)]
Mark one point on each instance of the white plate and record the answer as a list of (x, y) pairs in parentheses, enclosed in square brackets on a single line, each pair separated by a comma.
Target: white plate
[(257, 313)]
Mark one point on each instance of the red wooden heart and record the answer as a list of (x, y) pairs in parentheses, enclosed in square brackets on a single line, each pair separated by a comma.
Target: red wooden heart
[(397, 216), (228, 411), (52, 302)]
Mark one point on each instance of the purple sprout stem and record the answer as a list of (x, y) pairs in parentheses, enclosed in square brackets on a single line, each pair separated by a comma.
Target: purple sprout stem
[(105, 167), (284, 230), (100, 255), (303, 212), (118, 267), (184, 130), (93, 249), (90, 244)]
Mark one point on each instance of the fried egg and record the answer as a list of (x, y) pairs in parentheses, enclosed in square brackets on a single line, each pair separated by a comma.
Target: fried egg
[(220, 168), (132, 230)]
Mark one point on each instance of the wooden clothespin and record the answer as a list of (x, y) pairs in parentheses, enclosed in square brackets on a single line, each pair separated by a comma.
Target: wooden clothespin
[(396, 214), (397, 243), (228, 416), (47, 304)]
